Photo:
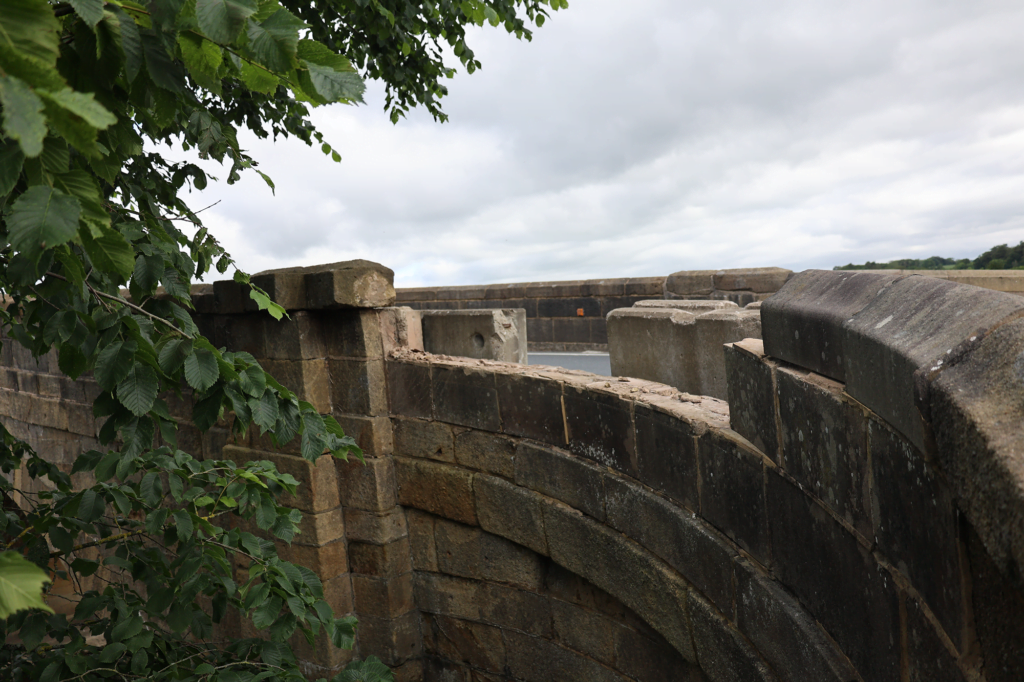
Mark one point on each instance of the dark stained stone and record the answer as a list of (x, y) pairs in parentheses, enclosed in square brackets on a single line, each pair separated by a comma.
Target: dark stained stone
[(466, 397), (531, 407), (751, 395), (732, 491), (666, 453), (600, 428)]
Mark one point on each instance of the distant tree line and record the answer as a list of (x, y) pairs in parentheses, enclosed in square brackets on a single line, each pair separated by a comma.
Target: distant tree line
[(1000, 257)]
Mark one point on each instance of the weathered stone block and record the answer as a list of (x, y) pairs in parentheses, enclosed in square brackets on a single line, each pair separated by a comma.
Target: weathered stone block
[(400, 329), (369, 486), (802, 323), (393, 640), (463, 641), (376, 528), (470, 552), (751, 394), (666, 453), (437, 488), (285, 286), (929, 660), (722, 653), (425, 439), (383, 597), (297, 338), (690, 306), (486, 452), (824, 443), (621, 568), (309, 379), (652, 660), (511, 511), (563, 477), (998, 603), (689, 283), (372, 434), (916, 524), (338, 593), (489, 334), (784, 633), (531, 407), (505, 607), (350, 284), (836, 578), (585, 631), (732, 490), (409, 389), (421, 540), (757, 280), (358, 386), (655, 344), (350, 333), (381, 561), (600, 428), (676, 536), (327, 561), (538, 660), (319, 529), (464, 396)]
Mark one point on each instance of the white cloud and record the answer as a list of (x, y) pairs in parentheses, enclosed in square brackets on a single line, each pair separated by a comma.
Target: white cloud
[(642, 139)]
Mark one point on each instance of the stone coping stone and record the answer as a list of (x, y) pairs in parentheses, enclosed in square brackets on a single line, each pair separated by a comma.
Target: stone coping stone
[(620, 286), (704, 282), (693, 306), (346, 284)]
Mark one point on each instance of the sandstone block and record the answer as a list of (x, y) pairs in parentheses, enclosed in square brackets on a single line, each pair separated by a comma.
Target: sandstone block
[(585, 631), (297, 338), (486, 452), (732, 491), (463, 641), (929, 659), (409, 389), (393, 640), (666, 452), (349, 284), (751, 391), (998, 603), (538, 660), (318, 483), (437, 488), (464, 396), (309, 379), (563, 477), (322, 528), (511, 512), (369, 486), (327, 561), (600, 428), (691, 306), (505, 607), (421, 540), (376, 528), (470, 552), (689, 283), (351, 333), (757, 280), (723, 654), (400, 328), (489, 334), (372, 434), (425, 439), (358, 386), (531, 407), (381, 561), (383, 597)]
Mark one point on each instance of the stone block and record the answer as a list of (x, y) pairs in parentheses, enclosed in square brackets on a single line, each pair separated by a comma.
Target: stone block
[(318, 482), (689, 282), (351, 333), (376, 528), (322, 528), (585, 631), (393, 640), (652, 660), (309, 379), (570, 330), (732, 490), (789, 639), (327, 561), (486, 452), (550, 472), (424, 439), (824, 443), (531, 407), (998, 604), (716, 328), (469, 552), (350, 284), (750, 386), (756, 280), (723, 654), (369, 486), (599, 331), (836, 578), (421, 540), (381, 561), (654, 344), (676, 536), (285, 286), (533, 659), (410, 671), (643, 286), (297, 338), (372, 434), (383, 597), (539, 330), (976, 411), (230, 297), (600, 428), (511, 511), (505, 607), (437, 488), (917, 323), (666, 453), (490, 334), (409, 389), (691, 306), (338, 593), (321, 660), (802, 323), (463, 641), (928, 658), (624, 570), (916, 523), (358, 386), (400, 329), (464, 396)]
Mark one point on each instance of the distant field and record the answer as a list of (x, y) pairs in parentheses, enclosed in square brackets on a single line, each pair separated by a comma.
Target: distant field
[(1000, 257)]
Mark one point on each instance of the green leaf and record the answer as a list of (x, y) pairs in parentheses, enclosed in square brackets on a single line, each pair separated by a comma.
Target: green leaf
[(138, 389), (91, 506), (91, 11), (258, 79), (23, 115), (131, 44), (273, 42), (314, 436), (127, 629), (29, 27), (267, 613), (113, 363), (183, 525), (203, 58), (222, 20), (42, 218), (369, 670), (77, 117), (201, 370), (173, 354), (149, 488), (82, 186), (163, 70), (265, 303), (11, 161), (110, 252), (71, 360), (264, 411), (55, 156)]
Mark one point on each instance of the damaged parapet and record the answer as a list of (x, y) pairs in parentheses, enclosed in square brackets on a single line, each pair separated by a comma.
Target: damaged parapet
[(741, 285), (489, 334), (679, 343)]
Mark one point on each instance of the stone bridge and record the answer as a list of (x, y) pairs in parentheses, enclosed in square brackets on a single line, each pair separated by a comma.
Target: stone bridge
[(853, 511)]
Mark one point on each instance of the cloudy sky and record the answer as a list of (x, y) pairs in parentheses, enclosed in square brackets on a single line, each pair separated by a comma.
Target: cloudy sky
[(634, 139)]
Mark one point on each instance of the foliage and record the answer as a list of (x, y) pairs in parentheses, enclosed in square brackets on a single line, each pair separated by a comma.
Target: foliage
[(1000, 257), (173, 544)]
